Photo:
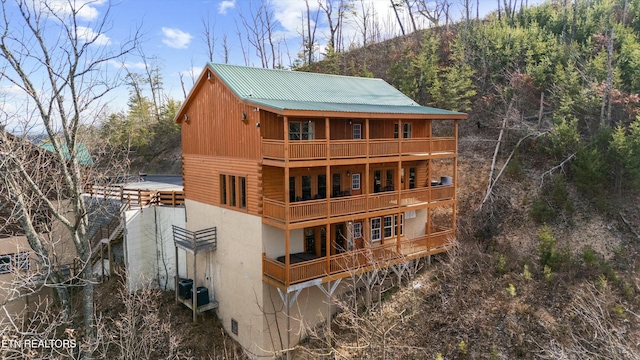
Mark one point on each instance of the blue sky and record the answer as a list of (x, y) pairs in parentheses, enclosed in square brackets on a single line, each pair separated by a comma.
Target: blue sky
[(173, 32)]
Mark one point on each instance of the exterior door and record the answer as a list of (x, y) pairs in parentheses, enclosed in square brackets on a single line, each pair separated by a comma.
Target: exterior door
[(377, 182)]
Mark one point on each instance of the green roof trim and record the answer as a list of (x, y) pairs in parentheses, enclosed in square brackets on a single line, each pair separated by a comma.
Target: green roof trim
[(296, 90), (82, 153)]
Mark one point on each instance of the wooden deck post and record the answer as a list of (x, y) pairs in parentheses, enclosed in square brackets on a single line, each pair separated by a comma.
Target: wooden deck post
[(455, 176), (102, 260), (109, 254), (194, 288), (177, 267)]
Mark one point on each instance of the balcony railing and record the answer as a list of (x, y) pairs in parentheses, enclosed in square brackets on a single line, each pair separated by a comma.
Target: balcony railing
[(317, 209), (359, 260), (345, 149)]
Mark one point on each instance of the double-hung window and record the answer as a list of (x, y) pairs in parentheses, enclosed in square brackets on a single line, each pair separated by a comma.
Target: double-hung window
[(392, 227), (357, 131), (357, 230), (388, 226), (355, 181), (376, 229)]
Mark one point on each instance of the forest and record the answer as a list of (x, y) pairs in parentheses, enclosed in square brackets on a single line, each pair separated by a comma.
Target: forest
[(547, 260)]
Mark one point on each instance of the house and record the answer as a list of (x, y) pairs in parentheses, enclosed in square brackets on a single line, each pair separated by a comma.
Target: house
[(19, 270), (308, 179)]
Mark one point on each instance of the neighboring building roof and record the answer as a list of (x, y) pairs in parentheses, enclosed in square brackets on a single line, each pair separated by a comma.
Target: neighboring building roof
[(295, 90), (82, 153)]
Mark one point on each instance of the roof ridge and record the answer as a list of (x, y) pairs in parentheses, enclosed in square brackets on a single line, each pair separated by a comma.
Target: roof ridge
[(213, 64)]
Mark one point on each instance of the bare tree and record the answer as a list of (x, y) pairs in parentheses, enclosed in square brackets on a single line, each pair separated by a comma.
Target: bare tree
[(335, 12), (208, 35), (259, 28), (309, 26), (431, 10), (225, 48), (58, 65), (395, 7)]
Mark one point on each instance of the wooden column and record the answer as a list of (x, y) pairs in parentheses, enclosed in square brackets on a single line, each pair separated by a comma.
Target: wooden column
[(399, 187), (110, 255), (287, 235), (455, 175), (328, 183), (367, 167), (287, 260), (194, 288), (177, 275)]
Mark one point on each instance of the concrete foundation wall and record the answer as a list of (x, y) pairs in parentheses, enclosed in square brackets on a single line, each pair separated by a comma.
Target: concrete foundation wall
[(149, 248), (233, 272)]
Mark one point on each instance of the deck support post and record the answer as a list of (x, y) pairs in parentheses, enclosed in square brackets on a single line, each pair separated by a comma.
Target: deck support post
[(329, 293), (194, 288), (176, 280), (102, 260), (110, 255), (288, 302)]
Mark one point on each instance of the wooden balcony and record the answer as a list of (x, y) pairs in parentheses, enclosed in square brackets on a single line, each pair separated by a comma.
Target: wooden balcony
[(346, 149), (358, 261), (317, 209)]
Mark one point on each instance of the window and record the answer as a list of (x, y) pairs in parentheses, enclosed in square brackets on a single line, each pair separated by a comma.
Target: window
[(337, 188), (355, 182), (5, 264), (412, 178), (375, 229), (406, 131), (357, 230), (306, 188), (392, 227), (233, 191), (292, 189), (234, 326), (389, 181), (22, 261), (243, 192), (388, 226), (301, 130), (395, 131), (322, 186), (357, 131), (401, 224), (223, 189)]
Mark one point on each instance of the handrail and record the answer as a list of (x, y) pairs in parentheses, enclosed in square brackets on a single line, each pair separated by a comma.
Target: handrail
[(369, 257), (349, 148)]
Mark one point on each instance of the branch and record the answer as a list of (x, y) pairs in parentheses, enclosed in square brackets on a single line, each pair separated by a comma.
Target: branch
[(629, 226), (548, 172)]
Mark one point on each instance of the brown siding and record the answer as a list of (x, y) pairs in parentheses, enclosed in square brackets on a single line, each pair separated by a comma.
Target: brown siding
[(271, 126), (215, 125), (273, 183), (202, 179)]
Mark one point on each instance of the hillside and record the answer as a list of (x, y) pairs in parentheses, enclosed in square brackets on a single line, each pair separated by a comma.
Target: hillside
[(547, 266)]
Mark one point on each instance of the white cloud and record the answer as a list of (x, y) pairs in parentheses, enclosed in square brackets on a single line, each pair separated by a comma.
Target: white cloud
[(87, 34), (128, 65), (226, 5), (12, 90), (193, 73), (86, 9), (176, 38)]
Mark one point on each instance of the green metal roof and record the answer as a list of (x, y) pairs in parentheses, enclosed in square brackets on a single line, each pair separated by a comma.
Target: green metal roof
[(82, 153), (296, 90)]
